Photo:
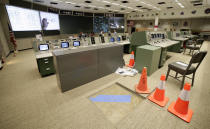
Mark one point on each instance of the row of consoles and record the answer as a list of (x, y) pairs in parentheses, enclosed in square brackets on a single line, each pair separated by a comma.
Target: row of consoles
[(76, 42), (45, 50)]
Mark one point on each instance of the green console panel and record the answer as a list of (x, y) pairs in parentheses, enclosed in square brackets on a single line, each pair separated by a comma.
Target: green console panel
[(137, 39), (147, 56), (175, 48)]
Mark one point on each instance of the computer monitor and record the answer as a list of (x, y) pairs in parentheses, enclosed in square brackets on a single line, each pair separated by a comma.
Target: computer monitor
[(177, 34), (76, 43), (112, 39), (43, 47), (93, 40), (163, 36), (123, 38), (118, 39), (102, 39), (64, 44)]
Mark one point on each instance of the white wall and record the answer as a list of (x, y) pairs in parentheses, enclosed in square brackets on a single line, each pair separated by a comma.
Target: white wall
[(3, 42), (198, 24), (167, 14)]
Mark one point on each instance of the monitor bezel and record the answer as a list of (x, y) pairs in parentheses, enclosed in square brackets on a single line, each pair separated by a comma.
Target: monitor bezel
[(74, 42), (44, 44), (64, 42)]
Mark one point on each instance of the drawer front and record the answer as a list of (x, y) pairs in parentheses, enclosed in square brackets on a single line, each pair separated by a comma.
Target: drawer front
[(46, 66), (47, 70)]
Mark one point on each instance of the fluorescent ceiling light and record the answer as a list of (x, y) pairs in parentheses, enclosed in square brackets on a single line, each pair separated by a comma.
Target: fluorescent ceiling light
[(106, 1)]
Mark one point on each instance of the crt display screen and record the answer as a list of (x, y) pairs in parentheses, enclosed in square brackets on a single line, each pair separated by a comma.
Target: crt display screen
[(43, 47), (123, 37), (112, 39), (64, 44), (76, 43), (163, 36)]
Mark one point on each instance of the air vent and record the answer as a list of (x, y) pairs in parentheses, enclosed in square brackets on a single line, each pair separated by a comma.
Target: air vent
[(53, 3), (87, 1), (124, 1), (38, 1), (108, 5), (161, 3), (198, 4), (169, 7), (139, 6), (196, 1)]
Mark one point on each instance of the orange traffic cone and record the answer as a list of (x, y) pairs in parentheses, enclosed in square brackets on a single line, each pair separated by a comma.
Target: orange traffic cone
[(180, 107), (158, 96), (131, 62), (142, 86)]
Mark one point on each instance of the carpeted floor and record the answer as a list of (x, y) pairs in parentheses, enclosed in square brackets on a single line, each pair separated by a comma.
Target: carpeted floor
[(28, 101)]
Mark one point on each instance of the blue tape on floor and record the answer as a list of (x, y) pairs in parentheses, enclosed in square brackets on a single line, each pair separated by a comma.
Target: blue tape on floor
[(112, 98)]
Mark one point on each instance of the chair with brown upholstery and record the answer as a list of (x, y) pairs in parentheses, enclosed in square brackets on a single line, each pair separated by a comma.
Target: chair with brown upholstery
[(186, 69)]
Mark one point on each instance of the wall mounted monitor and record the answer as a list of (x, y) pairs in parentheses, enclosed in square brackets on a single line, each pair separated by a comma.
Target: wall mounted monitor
[(76, 43), (49, 21), (23, 19), (112, 39), (43, 47), (64, 44)]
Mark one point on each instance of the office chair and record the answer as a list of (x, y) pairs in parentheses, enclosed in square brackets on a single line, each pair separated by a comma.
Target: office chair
[(194, 45), (186, 69)]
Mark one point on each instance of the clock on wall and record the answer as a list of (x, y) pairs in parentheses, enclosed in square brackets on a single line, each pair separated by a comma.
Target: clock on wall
[(193, 12), (185, 23), (182, 13), (207, 11)]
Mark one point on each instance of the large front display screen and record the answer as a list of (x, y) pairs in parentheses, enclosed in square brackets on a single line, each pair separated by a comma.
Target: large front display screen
[(23, 19), (49, 21)]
